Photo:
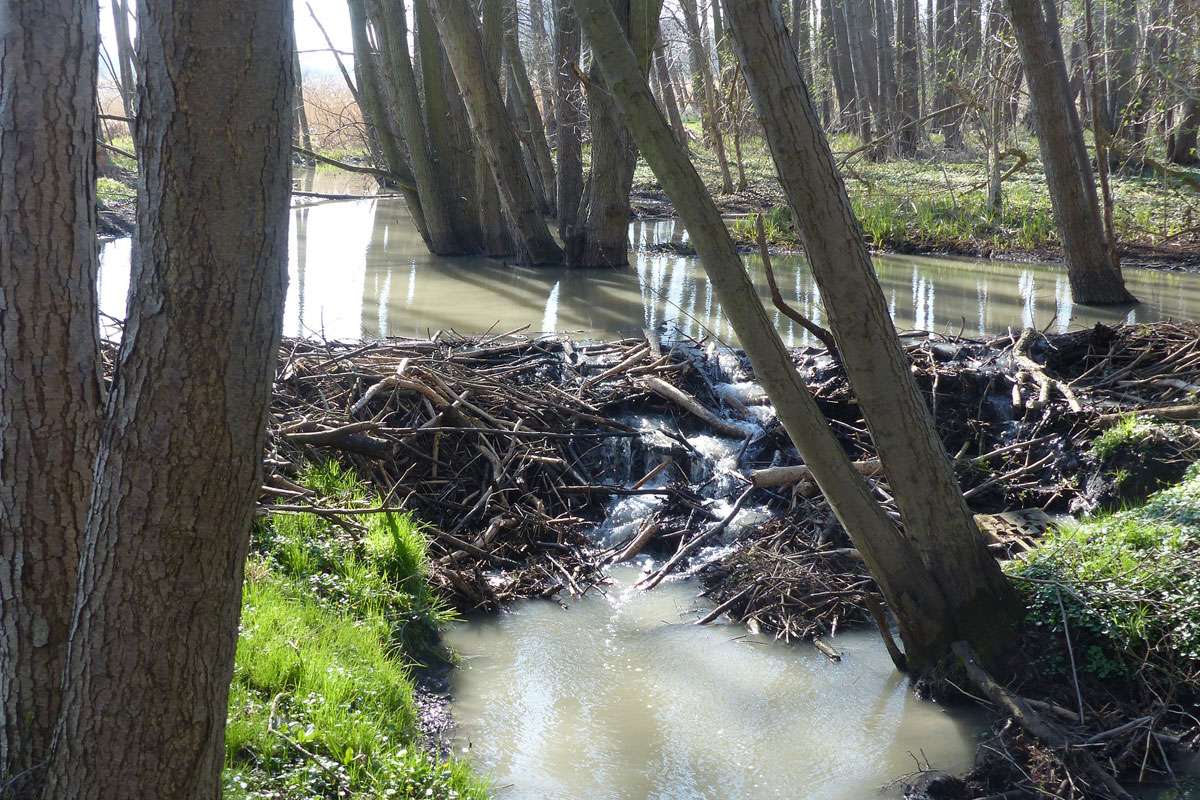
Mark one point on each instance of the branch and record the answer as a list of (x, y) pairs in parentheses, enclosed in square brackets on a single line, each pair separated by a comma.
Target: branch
[(824, 336), (403, 181)]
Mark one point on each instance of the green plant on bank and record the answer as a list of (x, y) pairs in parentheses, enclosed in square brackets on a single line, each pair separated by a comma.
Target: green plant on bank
[(1129, 583), (110, 192), (1129, 432), (333, 619)]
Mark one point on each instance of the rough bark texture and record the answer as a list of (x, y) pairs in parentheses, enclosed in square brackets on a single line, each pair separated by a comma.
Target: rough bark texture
[(496, 239), (50, 392), (568, 94), (535, 131), (837, 45), (898, 570), (180, 459), (493, 131), (1094, 276), (980, 604), (1121, 33), (1182, 146)]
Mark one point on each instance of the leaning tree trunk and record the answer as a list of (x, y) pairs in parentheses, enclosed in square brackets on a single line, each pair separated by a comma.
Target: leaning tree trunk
[(917, 601), (50, 393), (128, 87), (493, 130), (706, 90), (981, 605), (180, 460), (568, 118), (519, 79), (1095, 277), (667, 89)]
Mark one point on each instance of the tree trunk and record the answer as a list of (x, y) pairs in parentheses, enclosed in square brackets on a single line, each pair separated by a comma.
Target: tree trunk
[(1121, 25), (451, 147), (944, 41), (431, 190), (180, 460), (496, 239), (706, 91), (888, 85), (529, 110), (128, 87), (50, 392), (802, 38), (838, 48), (981, 606), (301, 121), (541, 66), (604, 237), (860, 31), (667, 90), (908, 81), (493, 131), (1094, 277), (899, 572), (568, 95), (1182, 147)]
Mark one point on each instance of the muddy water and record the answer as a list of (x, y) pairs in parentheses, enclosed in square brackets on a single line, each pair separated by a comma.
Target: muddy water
[(621, 696), (358, 269)]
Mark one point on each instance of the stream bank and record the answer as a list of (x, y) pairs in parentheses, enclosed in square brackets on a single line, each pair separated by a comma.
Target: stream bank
[(537, 462)]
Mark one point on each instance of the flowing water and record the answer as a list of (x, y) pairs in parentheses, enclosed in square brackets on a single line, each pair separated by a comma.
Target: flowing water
[(619, 695)]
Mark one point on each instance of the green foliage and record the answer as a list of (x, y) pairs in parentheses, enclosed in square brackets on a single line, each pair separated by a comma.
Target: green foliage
[(322, 702), (1128, 433), (1129, 583), (110, 191)]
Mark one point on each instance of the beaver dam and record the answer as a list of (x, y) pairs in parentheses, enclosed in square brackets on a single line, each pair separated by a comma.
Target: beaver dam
[(594, 490)]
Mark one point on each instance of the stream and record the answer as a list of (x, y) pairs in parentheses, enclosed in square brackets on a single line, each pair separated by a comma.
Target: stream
[(618, 694)]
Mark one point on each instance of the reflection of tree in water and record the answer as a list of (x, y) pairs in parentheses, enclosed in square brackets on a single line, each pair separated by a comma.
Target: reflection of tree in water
[(307, 178)]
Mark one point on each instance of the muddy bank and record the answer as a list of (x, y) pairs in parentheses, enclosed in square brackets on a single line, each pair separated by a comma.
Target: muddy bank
[(537, 462)]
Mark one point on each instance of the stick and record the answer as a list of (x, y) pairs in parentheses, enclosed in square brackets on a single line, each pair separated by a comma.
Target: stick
[(700, 539), (784, 476), (692, 406)]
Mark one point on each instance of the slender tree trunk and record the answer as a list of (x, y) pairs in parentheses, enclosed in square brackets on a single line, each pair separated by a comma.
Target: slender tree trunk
[(496, 239), (943, 53), (801, 32), (706, 91), (981, 606), (431, 190), (900, 573), (568, 94), (888, 84), (180, 460), (667, 89), (541, 65), (128, 87), (529, 111), (1094, 277), (301, 121), (840, 67), (493, 130), (50, 393), (1121, 25), (1182, 148), (860, 31), (908, 81)]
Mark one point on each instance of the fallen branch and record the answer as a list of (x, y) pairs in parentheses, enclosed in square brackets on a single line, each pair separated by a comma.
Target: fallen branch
[(693, 407)]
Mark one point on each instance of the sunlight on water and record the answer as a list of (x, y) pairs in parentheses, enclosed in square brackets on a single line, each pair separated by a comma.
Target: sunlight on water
[(358, 269), (622, 697)]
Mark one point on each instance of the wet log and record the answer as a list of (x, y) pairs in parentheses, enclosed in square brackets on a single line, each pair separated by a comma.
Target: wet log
[(785, 476), (693, 407)]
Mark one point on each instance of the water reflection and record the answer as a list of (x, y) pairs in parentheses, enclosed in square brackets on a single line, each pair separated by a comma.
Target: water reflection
[(359, 269)]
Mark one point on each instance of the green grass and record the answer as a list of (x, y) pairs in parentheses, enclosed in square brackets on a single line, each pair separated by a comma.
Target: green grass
[(322, 704), (1128, 433), (1130, 585), (109, 191)]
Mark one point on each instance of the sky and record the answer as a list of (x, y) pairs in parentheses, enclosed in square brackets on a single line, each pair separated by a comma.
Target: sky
[(333, 16)]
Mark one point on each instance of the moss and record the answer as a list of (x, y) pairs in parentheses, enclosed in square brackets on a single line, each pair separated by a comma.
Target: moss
[(322, 701)]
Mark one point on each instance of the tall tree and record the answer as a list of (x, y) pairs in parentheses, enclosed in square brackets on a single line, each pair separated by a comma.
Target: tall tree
[(704, 88), (180, 456), (125, 70), (529, 113), (662, 73), (900, 573), (568, 116), (50, 393), (908, 77), (1092, 268), (494, 134), (980, 602)]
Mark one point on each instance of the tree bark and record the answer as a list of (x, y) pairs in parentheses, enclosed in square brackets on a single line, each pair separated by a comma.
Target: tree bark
[(529, 110), (1182, 148), (1094, 276), (493, 131), (981, 605), (915, 600), (496, 239), (180, 459), (435, 206), (1121, 25), (888, 86), (837, 41), (706, 91), (568, 94), (50, 390), (908, 80), (667, 90), (451, 146), (128, 87), (301, 121)]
